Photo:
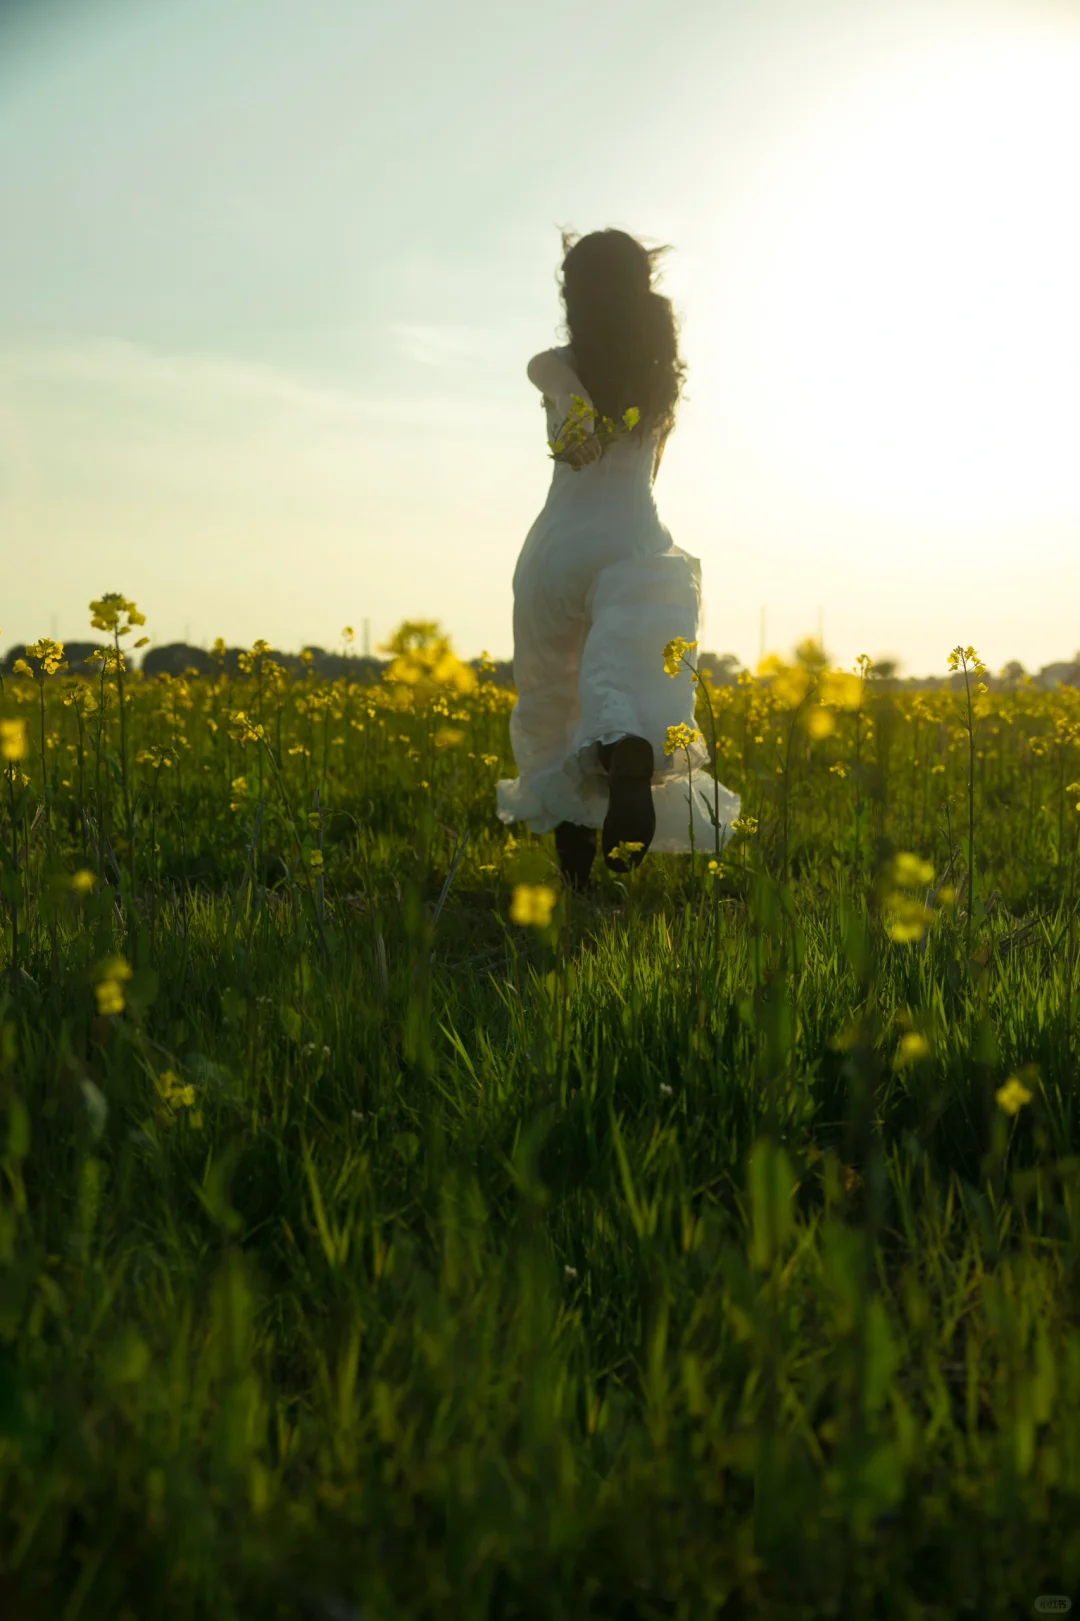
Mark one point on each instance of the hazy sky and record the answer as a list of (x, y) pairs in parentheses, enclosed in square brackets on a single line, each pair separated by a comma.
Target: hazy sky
[(272, 271)]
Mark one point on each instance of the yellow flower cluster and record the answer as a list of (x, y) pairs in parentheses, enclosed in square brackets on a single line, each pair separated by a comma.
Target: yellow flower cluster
[(574, 430), (111, 977), (674, 654), (107, 612), (156, 755), (176, 1095), (1015, 1094), (681, 737), (910, 871), (966, 658), (532, 905), (906, 919), (49, 654), (246, 730), (913, 1048), (423, 664), (820, 722), (842, 690), (108, 657), (790, 684), (14, 743), (252, 662)]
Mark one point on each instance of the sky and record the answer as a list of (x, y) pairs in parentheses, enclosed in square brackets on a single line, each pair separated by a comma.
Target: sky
[(273, 271)]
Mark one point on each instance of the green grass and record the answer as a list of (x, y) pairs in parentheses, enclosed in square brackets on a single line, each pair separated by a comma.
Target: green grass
[(616, 1270)]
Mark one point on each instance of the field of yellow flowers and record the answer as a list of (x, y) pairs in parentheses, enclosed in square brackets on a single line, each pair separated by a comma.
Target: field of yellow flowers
[(387, 1233)]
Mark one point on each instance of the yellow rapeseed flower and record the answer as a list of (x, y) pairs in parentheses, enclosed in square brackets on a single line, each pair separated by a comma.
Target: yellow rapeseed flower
[(174, 1092), (50, 653), (675, 651), (107, 610), (448, 737), (14, 744), (110, 997), (967, 657), (906, 920), (532, 905), (83, 881), (623, 852), (841, 689), (909, 872), (790, 685), (820, 722), (1013, 1095), (246, 730), (112, 972), (912, 1049), (109, 659), (114, 968), (680, 737)]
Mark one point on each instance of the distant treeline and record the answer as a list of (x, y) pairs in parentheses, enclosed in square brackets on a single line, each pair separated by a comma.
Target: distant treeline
[(177, 658)]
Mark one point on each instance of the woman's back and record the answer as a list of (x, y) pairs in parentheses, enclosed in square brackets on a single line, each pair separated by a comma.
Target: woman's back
[(625, 469)]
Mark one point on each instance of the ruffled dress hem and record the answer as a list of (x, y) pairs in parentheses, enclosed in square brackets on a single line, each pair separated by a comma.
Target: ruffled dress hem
[(578, 792)]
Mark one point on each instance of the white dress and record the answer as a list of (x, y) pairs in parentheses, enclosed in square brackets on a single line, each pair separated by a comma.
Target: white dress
[(599, 590)]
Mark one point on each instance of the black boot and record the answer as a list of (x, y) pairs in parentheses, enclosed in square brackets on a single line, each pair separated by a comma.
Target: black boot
[(631, 817), (576, 847)]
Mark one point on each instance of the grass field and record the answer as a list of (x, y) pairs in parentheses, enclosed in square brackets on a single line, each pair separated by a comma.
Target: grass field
[(707, 1246)]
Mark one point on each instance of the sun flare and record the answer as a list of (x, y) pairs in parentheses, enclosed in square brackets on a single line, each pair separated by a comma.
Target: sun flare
[(916, 337)]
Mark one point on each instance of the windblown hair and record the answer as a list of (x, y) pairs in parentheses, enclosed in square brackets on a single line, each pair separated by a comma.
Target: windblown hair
[(622, 332)]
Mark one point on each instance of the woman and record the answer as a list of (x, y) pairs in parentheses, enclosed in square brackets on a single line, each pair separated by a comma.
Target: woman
[(600, 589)]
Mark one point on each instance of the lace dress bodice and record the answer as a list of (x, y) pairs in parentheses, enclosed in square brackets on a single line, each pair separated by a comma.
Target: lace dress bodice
[(625, 468)]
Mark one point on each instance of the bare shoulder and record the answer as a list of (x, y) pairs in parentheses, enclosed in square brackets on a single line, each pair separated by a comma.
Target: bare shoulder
[(560, 353)]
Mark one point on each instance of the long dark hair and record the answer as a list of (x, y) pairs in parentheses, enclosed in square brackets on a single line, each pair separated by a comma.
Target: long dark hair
[(622, 332)]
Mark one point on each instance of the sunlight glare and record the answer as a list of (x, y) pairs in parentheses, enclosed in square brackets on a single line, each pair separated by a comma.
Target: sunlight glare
[(917, 332)]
